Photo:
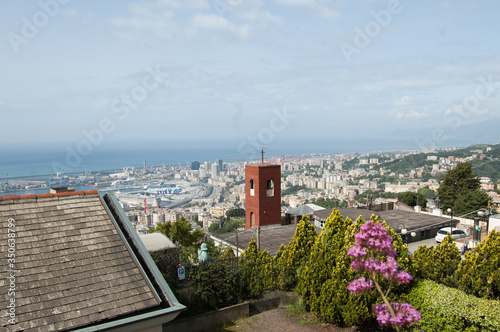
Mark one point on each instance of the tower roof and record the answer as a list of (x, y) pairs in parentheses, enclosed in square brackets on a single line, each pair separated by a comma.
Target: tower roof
[(263, 165)]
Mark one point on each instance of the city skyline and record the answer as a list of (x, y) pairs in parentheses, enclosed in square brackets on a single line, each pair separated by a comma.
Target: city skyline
[(251, 73)]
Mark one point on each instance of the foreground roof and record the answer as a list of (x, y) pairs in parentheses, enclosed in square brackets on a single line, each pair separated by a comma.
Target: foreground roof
[(76, 264), (393, 218), (304, 209), (271, 237)]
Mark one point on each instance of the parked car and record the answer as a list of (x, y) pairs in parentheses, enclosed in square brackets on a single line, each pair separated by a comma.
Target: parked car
[(455, 233)]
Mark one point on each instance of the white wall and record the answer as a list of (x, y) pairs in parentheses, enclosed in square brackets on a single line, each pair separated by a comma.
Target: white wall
[(494, 222)]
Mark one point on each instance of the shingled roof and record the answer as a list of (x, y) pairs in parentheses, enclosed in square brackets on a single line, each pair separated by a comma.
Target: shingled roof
[(76, 265)]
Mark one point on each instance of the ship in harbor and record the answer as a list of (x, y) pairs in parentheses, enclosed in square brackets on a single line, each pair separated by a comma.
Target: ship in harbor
[(164, 189)]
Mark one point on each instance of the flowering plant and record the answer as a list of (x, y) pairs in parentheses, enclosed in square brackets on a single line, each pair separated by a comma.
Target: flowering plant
[(373, 253)]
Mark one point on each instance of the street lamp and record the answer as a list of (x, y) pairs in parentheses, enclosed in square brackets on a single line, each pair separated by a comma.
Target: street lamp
[(485, 214), (404, 231), (369, 201), (451, 221)]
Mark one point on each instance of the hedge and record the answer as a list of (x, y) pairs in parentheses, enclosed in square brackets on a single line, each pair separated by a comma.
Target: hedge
[(449, 309)]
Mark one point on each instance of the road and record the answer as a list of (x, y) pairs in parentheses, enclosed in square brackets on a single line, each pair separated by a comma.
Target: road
[(412, 246)]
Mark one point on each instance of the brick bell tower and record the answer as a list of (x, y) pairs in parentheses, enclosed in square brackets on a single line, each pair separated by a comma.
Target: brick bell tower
[(263, 194)]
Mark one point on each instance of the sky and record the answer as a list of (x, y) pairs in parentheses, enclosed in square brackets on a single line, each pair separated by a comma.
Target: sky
[(245, 73)]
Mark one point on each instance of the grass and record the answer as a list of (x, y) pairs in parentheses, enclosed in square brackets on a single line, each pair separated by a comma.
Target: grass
[(295, 310), (304, 317)]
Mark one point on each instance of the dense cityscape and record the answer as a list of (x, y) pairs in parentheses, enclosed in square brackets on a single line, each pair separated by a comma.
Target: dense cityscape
[(204, 191)]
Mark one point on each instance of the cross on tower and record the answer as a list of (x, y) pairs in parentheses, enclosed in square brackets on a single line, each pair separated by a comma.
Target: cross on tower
[(262, 152)]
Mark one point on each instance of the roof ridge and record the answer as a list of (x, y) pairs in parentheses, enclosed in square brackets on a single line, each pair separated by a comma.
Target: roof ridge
[(81, 192)]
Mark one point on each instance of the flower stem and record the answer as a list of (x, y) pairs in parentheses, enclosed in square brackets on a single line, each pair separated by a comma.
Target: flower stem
[(384, 298)]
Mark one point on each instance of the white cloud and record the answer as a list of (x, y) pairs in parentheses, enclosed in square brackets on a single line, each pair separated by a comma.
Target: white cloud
[(404, 109), (317, 7), (251, 10), (144, 17), (168, 19), (403, 83), (215, 22)]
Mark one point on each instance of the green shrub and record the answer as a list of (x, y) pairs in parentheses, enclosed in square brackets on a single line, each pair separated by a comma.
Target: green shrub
[(324, 280), (321, 261), (448, 309), (256, 270), (437, 263), (292, 257), (479, 273), (216, 285)]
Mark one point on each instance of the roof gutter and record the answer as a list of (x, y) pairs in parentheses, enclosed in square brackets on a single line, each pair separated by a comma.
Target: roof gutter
[(149, 319), (139, 322), (137, 242)]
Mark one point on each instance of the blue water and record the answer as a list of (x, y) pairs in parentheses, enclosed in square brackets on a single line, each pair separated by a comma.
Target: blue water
[(42, 160), (27, 162)]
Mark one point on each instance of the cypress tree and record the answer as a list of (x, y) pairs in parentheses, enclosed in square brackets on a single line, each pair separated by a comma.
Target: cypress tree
[(479, 273), (296, 253), (322, 260)]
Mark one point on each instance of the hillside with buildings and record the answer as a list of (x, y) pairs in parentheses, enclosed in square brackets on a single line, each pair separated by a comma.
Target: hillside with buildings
[(345, 180)]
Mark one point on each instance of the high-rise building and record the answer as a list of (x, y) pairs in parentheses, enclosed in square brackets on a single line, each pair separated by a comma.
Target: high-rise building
[(263, 194), (195, 165), (215, 171), (219, 161)]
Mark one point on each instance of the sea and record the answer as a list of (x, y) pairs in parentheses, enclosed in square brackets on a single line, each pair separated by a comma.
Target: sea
[(42, 160)]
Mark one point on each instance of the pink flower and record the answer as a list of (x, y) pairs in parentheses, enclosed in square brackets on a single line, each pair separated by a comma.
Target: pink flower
[(356, 251), (359, 286), (374, 236), (373, 253), (405, 314), (403, 277)]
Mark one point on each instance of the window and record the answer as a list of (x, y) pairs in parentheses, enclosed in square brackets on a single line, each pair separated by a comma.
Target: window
[(252, 191), (270, 188)]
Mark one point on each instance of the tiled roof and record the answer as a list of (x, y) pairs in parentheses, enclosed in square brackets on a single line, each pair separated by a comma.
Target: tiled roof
[(73, 269)]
